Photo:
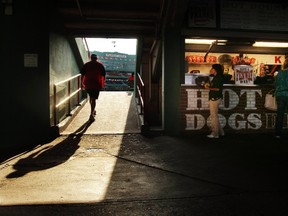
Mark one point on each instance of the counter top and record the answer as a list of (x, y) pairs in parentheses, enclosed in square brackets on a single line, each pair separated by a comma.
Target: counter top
[(254, 85), (225, 85)]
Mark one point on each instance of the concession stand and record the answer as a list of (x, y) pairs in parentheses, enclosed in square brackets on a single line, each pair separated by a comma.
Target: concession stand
[(249, 70), (242, 108)]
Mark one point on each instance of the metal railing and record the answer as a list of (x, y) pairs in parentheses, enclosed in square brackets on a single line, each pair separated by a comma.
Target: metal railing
[(67, 99), (140, 93)]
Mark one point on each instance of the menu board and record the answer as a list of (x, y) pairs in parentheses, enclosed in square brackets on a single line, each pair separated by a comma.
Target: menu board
[(251, 15), (262, 64)]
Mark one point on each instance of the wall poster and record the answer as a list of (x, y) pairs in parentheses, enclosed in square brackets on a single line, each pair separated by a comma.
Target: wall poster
[(202, 13)]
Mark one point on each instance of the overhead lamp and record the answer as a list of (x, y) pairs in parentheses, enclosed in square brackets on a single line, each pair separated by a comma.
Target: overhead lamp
[(221, 42), (199, 41), (270, 44), (204, 41)]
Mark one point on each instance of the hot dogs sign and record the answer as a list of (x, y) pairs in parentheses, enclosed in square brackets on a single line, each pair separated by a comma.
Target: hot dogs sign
[(238, 110)]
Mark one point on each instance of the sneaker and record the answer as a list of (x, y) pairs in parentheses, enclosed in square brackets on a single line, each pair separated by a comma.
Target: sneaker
[(212, 136)]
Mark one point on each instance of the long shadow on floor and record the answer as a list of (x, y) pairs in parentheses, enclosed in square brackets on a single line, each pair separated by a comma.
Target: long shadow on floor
[(51, 155)]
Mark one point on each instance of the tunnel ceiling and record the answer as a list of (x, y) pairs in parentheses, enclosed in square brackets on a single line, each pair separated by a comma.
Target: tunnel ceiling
[(119, 18), (143, 19)]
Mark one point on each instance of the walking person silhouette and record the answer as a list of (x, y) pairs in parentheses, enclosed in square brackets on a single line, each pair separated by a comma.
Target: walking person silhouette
[(93, 80)]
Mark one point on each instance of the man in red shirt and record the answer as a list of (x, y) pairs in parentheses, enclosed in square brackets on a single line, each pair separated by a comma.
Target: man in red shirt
[(131, 81), (93, 79)]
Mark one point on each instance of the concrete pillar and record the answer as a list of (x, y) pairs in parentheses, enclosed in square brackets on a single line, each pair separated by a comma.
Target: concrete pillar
[(172, 70)]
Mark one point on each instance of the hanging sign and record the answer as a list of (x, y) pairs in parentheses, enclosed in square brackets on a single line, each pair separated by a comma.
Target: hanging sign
[(30, 60)]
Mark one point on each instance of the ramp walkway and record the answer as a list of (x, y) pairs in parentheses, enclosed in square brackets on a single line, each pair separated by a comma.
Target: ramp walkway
[(116, 114)]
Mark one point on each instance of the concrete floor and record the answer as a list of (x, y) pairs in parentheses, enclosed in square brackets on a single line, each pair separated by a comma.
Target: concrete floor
[(116, 114), (94, 172)]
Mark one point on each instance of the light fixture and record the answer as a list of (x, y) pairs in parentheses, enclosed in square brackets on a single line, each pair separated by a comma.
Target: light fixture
[(204, 41), (199, 41), (221, 42), (270, 44)]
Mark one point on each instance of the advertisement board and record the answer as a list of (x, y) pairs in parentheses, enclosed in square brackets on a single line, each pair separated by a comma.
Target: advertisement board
[(243, 75)]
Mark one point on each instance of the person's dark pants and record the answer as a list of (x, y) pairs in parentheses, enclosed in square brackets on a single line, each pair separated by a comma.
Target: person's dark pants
[(93, 93), (282, 104)]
